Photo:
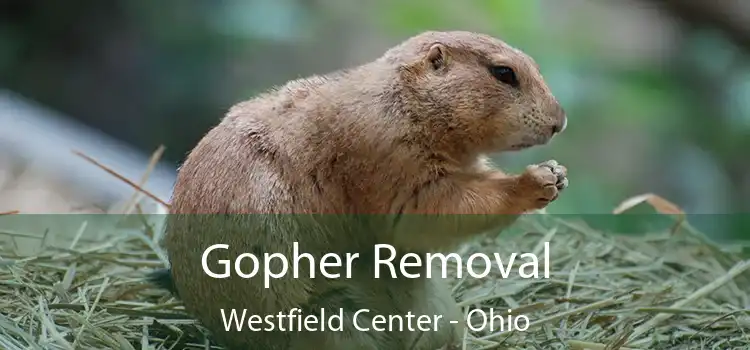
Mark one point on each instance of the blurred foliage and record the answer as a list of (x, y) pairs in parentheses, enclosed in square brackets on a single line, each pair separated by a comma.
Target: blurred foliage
[(164, 72)]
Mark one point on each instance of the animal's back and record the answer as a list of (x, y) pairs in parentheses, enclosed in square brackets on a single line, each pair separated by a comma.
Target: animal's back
[(226, 190), (252, 182)]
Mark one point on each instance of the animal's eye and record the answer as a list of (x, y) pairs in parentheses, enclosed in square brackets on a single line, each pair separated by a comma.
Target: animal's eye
[(505, 75)]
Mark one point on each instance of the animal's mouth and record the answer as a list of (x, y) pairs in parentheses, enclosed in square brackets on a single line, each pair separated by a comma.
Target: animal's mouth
[(520, 146), (529, 142)]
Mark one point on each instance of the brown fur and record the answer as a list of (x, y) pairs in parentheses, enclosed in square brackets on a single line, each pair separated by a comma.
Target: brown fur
[(404, 134)]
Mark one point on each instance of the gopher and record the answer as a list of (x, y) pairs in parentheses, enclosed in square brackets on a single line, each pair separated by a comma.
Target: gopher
[(394, 152)]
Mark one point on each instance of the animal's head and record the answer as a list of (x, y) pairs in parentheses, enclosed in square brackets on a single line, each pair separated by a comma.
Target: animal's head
[(477, 90)]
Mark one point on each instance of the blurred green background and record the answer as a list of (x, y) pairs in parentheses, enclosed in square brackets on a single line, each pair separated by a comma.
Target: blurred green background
[(657, 91)]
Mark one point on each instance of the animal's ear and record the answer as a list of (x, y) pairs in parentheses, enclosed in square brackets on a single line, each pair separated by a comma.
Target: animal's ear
[(437, 56)]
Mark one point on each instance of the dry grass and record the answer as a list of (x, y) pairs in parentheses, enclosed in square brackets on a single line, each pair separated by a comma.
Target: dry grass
[(662, 291), (668, 290)]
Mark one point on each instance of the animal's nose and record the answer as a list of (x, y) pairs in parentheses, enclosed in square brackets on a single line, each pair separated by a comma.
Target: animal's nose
[(561, 119), (560, 127)]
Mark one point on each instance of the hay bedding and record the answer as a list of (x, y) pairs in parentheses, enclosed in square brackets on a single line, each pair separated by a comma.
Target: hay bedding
[(668, 290), (662, 291)]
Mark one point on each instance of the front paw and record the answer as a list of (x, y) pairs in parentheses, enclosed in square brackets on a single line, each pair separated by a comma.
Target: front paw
[(542, 183)]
